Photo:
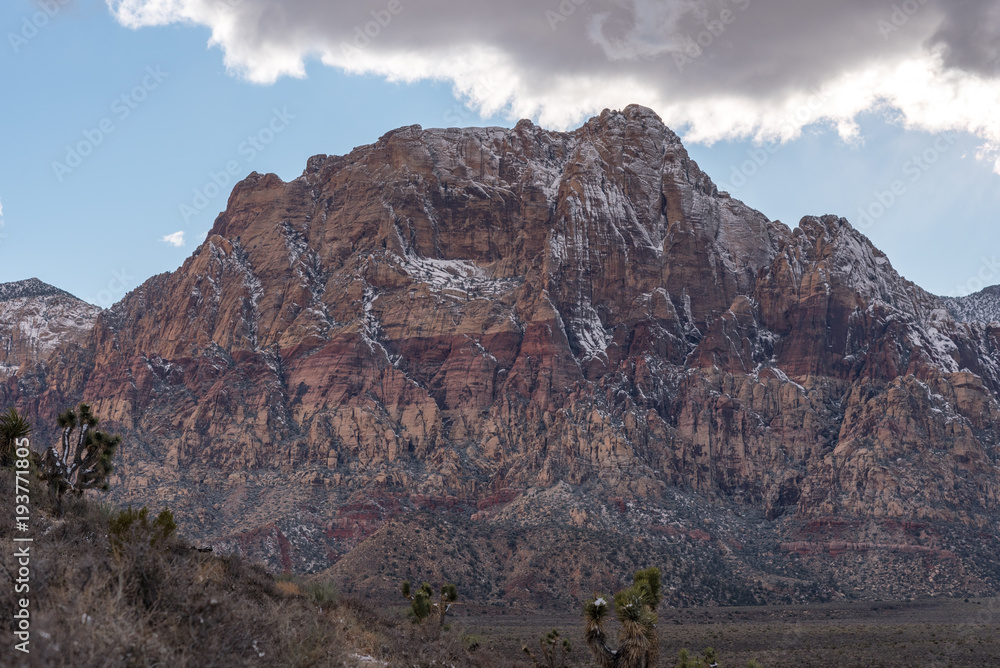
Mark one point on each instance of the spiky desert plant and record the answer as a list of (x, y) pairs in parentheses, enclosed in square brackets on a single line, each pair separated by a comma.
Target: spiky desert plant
[(13, 427), (555, 651), (135, 525), (82, 460), (635, 607), (422, 602)]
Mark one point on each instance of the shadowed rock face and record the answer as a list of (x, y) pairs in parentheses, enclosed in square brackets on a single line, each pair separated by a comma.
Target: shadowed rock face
[(454, 314)]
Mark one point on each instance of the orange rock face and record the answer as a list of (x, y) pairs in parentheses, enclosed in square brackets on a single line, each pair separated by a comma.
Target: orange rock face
[(462, 313)]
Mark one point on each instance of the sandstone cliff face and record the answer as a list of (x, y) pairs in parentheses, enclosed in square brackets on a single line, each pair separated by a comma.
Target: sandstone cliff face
[(35, 318), (456, 314)]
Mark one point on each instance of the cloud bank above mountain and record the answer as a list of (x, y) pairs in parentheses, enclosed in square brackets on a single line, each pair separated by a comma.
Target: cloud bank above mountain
[(716, 69)]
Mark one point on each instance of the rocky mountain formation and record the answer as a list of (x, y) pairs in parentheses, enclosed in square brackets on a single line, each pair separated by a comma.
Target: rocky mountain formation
[(982, 306), (35, 318), (570, 338)]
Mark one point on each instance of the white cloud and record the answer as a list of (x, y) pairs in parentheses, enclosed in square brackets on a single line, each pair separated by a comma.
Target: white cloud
[(176, 239), (712, 69)]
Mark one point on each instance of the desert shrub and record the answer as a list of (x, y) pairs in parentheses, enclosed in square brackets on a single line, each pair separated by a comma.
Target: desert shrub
[(322, 593), (423, 605), (708, 659), (133, 525), (472, 641), (555, 651)]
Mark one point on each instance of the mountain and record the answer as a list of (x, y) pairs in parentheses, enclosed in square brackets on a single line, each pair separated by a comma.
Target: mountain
[(29, 288), (35, 318), (982, 306), (574, 347)]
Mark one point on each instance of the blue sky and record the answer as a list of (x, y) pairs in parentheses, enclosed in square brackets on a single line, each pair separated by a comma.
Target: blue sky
[(95, 227)]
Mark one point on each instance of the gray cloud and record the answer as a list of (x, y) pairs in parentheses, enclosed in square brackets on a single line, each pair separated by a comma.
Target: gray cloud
[(740, 65), (970, 32)]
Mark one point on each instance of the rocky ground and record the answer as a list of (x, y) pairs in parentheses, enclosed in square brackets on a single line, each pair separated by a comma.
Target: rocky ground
[(931, 633)]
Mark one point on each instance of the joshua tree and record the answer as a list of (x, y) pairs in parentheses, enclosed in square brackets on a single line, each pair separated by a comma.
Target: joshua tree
[(422, 603), (13, 426), (554, 652), (635, 607), (84, 459)]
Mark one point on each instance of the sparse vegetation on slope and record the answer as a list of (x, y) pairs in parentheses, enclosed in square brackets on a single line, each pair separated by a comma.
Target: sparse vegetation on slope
[(136, 596), (114, 587)]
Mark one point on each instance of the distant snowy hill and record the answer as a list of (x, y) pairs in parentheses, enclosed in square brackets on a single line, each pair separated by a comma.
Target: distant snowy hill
[(983, 306), (35, 318), (31, 287)]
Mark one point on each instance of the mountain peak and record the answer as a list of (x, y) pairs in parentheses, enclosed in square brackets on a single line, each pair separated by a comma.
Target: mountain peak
[(639, 112), (29, 287), (35, 319), (472, 313), (982, 306)]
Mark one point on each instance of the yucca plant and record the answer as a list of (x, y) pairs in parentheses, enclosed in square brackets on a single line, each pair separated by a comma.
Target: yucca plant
[(422, 603), (13, 427), (555, 651), (135, 525), (82, 460), (635, 607)]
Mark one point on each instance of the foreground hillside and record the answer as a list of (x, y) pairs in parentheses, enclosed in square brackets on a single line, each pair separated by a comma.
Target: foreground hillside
[(569, 338), (101, 602)]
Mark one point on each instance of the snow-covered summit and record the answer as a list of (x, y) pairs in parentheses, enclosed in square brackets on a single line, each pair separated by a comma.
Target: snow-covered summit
[(35, 318), (982, 306), (30, 287)]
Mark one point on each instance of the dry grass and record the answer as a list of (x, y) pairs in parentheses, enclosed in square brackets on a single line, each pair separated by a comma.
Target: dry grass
[(169, 605)]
